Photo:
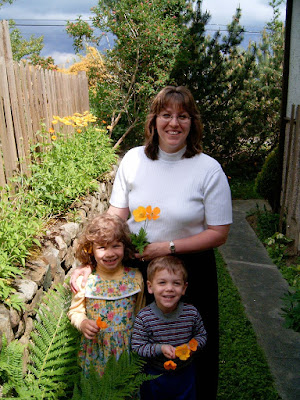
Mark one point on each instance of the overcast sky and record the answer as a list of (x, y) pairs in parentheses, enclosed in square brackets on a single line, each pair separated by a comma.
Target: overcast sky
[(255, 14)]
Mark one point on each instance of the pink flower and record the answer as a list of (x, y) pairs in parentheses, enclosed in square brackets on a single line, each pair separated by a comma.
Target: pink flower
[(123, 287), (111, 290), (110, 316), (129, 314)]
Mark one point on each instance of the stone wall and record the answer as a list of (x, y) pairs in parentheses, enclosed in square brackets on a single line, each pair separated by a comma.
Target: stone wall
[(53, 263)]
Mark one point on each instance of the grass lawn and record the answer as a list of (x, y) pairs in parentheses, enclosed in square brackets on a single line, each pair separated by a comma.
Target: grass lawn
[(244, 372)]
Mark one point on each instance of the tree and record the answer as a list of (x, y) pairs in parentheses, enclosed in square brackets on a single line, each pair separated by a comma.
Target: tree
[(264, 88), (215, 69), (5, 1), (32, 47), (93, 63), (22, 47), (238, 91), (148, 35)]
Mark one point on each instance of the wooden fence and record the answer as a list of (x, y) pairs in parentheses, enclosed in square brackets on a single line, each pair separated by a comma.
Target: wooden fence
[(29, 97), (290, 195)]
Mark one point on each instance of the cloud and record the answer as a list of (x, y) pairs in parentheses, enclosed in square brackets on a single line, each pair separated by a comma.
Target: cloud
[(62, 59), (254, 12), (54, 9)]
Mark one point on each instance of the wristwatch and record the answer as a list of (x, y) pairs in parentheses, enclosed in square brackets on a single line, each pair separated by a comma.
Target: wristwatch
[(172, 247)]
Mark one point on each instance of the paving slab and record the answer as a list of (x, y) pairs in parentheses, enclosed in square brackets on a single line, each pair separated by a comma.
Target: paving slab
[(261, 287)]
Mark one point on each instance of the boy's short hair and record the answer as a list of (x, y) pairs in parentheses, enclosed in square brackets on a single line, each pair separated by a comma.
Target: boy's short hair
[(171, 263)]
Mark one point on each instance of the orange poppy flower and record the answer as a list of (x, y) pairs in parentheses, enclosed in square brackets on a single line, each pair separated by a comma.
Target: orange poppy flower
[(152, 214), (193, 344), (183, 352), (101, 324), (51, 130), (139, 214), (170, 365), (53, 137)]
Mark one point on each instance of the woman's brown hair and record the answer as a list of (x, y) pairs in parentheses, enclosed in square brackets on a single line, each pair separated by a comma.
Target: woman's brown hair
[(103, 229), (183, 99)]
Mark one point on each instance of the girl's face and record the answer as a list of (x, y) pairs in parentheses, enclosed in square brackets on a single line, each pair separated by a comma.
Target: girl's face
[(173, 126), (110, 255)]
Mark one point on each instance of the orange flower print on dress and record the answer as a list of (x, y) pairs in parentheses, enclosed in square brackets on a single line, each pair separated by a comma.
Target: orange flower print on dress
[(183, 352), (101, 324), (193, 344), (170, 365), (152, 214)]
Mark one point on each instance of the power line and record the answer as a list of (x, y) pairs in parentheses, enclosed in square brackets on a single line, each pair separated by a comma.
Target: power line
[(63, 25)]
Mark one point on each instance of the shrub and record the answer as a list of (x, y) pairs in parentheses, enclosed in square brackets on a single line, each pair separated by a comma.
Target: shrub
[(268, 180), (291, 310)]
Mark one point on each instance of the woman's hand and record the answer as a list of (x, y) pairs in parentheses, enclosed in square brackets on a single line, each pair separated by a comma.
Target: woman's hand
[(213, 236), (154, 250), (168, 351), (89, 328), (83, 270)]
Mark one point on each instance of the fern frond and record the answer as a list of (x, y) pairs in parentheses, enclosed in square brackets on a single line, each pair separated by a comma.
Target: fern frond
[(11, 365), (121, 380), (54, 348)]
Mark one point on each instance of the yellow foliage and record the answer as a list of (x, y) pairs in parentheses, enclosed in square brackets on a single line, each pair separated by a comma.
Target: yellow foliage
[(93, 64)]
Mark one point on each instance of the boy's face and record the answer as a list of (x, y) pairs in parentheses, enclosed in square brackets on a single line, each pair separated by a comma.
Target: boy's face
[(167, 289)]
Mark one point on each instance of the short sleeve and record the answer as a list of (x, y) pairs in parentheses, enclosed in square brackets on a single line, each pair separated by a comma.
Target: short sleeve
[(217, 199), (120, 191)]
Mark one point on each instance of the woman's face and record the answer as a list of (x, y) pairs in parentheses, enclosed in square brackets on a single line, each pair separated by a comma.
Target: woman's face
[(173, 125)]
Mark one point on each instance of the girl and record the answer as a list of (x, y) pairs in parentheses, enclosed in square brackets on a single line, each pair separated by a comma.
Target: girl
[(105, 308)]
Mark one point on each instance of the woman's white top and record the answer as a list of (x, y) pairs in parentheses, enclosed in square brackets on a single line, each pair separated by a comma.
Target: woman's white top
[(190, 192)]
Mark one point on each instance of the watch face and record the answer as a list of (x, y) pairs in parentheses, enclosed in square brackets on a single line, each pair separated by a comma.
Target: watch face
[(172, 247)]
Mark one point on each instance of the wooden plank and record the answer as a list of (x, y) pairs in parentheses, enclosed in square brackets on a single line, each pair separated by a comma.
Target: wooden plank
[(49, 98), (22, 119), (26, 98), (2, 174), (31, 86), (84, 89), (14, 103), (7, 136), (287, 161)]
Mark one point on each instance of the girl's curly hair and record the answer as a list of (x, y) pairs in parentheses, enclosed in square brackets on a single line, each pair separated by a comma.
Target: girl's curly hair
[(103, 229)]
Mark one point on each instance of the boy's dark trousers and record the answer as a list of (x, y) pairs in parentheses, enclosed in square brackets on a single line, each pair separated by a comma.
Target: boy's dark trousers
[(170, 385)]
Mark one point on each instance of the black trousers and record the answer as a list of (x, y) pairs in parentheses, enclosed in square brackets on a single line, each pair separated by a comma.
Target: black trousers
[(202, 292)]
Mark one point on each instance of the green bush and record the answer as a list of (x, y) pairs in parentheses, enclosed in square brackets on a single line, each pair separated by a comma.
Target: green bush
[(267, 223), (268, 180), (291, 310)]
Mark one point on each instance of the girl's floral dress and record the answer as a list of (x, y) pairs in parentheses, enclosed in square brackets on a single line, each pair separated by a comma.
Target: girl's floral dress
[(114, 301)]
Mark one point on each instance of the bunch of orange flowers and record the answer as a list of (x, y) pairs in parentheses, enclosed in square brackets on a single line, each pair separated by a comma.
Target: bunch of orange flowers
[(140, 214), (183, 352)]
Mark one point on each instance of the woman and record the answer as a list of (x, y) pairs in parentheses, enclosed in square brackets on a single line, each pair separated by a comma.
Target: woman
[(171, 172)]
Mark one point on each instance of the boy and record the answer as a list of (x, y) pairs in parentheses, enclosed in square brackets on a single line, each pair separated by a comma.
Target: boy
[(164, 325)]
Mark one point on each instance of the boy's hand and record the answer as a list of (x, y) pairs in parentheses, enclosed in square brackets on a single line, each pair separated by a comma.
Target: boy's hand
[(83, 270), (168, 351), (89, 328)]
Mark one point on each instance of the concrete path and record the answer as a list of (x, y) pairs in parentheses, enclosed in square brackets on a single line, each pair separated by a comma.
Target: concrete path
[(261, 287)]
